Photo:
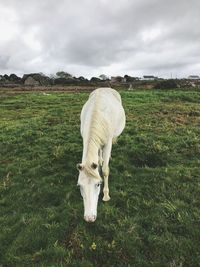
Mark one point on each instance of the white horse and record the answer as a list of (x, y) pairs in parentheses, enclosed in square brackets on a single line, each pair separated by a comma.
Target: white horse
[(102, 120)]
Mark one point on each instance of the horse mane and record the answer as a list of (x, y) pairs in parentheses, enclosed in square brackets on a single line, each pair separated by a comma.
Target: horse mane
[(99, 133)]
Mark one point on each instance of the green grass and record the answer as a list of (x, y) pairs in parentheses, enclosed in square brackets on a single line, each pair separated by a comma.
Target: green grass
[(153, 218)]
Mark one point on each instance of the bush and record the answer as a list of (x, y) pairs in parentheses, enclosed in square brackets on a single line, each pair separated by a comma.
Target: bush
[(167, 84)]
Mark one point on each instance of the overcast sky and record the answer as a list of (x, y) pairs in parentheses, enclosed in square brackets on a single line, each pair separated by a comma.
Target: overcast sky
[(91, 37)]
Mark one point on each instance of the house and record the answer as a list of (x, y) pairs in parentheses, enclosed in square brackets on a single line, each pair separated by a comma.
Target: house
[(193, 77), (31, 81), (149, 78), (36, 79)]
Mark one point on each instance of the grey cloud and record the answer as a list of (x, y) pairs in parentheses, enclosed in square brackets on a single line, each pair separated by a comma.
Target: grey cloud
[(88, 37)]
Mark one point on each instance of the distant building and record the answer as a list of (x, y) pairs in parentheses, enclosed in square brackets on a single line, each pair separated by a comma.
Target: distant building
[(35, 79), (193, 77), (149, 78), (31, 81)]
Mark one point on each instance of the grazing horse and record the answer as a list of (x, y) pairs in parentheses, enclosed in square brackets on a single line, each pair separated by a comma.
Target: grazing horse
[(102, 120)]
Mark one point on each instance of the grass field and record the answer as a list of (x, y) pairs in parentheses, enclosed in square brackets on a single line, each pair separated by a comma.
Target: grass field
[(153, 218)]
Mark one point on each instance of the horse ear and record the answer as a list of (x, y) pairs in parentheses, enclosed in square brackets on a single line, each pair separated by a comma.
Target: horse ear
[(94, 165), (79, 167)]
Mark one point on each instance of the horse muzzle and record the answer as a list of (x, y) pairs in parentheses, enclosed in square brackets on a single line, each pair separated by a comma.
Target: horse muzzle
[(90, 219)]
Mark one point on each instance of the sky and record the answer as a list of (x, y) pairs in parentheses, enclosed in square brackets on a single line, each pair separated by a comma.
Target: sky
[(93, 37)]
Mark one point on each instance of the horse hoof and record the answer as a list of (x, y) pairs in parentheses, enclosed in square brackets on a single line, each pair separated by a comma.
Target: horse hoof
[(106, 198)]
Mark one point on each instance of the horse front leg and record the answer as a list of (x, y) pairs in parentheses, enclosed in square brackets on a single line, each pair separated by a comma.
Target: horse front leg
[(100, 157), (105, 169)]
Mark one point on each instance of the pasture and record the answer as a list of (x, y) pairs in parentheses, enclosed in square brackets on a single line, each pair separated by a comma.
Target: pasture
[(153, 217)]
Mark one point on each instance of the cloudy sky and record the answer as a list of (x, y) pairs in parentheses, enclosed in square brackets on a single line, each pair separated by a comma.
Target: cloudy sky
[(91, 37)]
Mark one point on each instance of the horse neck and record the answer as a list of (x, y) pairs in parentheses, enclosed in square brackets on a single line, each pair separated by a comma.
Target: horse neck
[(90, 152), (96, 135)]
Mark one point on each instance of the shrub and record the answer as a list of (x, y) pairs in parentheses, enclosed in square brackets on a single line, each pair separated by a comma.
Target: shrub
[(167, 84)]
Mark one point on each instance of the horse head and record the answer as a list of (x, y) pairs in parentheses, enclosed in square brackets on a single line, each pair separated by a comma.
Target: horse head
[(89, 182)]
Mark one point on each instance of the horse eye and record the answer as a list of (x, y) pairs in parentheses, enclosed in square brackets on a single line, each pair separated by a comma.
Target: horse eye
[(97, 185)]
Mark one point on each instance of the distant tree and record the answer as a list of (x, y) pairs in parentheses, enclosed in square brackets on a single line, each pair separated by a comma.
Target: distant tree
[(6, 77), (118, 79), (130, 78), (81, 78), (61, 81), (14, 78), (64, 75), (95, 79), (42, 74), (3, 79), (103, 77)]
